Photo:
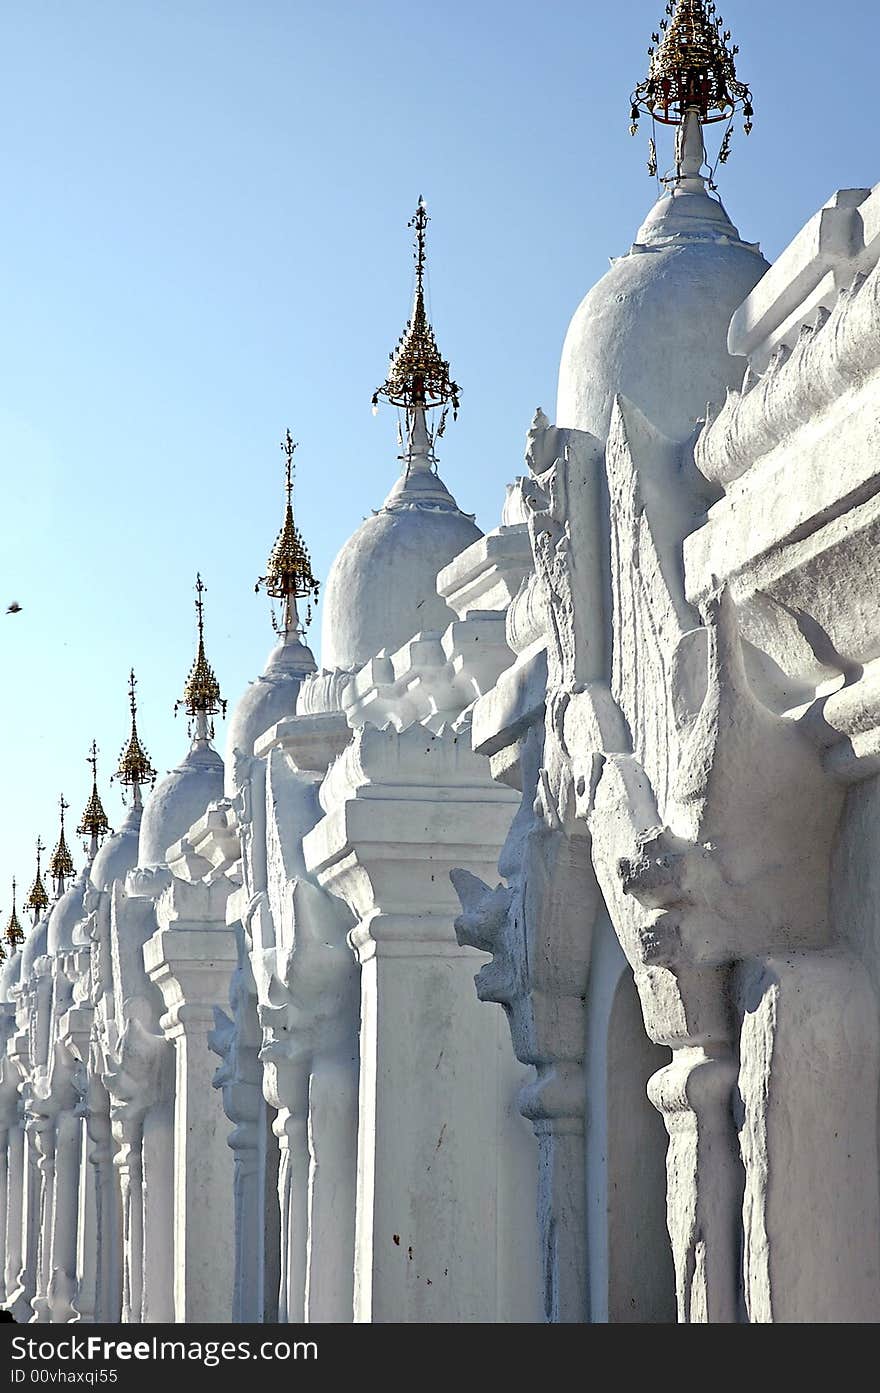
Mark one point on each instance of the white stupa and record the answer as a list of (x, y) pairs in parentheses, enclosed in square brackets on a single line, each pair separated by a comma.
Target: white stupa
[(119, 851), (182, 797), (39, 905), (13, 937), (68, 890), (272, 696), (654, 328), (382, 587)]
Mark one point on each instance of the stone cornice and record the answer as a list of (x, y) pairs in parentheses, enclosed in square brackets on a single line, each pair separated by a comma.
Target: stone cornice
[(842, 239), (191, 965), (211, 848), (402, 809), (312, 742), (832, 357), (488, 574)]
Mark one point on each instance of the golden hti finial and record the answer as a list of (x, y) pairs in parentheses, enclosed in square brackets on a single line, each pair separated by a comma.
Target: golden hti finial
[(418, 376), (37, 900), (13, 933), (289, 569), (61, 865), (94, 823), (692, 69), (134, 767), (201, 692)]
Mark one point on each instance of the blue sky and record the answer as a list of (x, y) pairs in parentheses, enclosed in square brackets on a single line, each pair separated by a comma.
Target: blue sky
[(203, 241)]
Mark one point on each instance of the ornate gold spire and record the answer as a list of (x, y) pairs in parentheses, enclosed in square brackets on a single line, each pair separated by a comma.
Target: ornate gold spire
[(61, 865), (134, 762), (37, 900), (418, 376), (13, 933), (289, 568), (94, 822), (201, 691), (693, 68)]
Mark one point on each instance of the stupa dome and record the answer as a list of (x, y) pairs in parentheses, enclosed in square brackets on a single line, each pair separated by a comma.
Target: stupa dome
[(64, 916), (382, 587), (10, 973), (178, 801), (654, 328), (119, 852), (267, 700), (35, 946)]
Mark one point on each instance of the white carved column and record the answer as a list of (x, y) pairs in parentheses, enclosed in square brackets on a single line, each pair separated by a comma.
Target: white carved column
[(16, 1079), (137, 1081), (58, 1134), (99, 1151), (313, 1022), (239, 1077), (237, 1043), (127, 1135), (4, 1201), (36, 1019), (12, 1234), (429, 1057), (244, 1110), (62, 1281), (286, 1089), (10, 1171), (25, 1279), (332, 1143), (807, 1116), (686, 1006), (244, 1142), (139, 1077), (307, 989), (41, 1131), (539, 929), (191, 959), (75, 1257), (86, 1297), (108, 1241), (14, 1203), (74, 1030), (157, 1188), (538, 925), (419, 1137)]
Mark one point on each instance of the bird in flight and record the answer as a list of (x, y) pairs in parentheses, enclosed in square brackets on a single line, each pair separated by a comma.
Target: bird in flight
[(14, 608)]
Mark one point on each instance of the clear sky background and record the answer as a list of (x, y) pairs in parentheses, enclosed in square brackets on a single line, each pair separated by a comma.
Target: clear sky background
[(203, 240)]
